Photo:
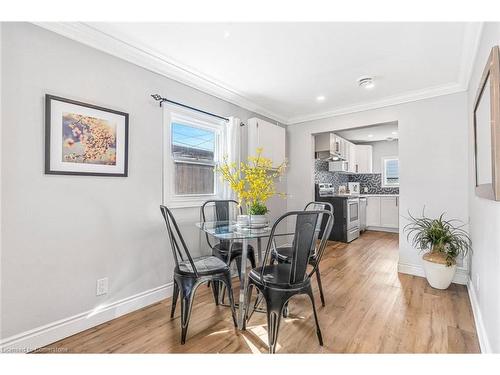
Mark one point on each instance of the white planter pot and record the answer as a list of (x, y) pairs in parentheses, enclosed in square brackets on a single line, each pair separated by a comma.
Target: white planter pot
[(438, 275), (258, 220)]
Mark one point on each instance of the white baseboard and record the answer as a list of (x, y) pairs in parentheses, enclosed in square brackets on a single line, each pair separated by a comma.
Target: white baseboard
[(383, 229), (478, 319), (52, 332), (461, 277)]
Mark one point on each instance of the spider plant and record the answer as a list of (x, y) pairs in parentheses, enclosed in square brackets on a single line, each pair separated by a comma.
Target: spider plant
[(438, 236)]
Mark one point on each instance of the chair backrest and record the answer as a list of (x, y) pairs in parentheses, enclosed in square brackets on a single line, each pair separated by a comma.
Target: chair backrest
[(179, 248), (222, 210), (304, 238), (321, 224)]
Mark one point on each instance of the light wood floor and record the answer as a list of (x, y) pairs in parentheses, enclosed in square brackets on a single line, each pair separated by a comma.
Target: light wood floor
[(370, 308)]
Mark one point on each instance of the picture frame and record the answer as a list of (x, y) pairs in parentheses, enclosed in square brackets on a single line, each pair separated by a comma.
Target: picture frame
[(486, 122), (84, 139)]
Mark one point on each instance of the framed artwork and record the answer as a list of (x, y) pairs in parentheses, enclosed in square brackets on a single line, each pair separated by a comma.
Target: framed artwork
[(487, 130), (83, 139)]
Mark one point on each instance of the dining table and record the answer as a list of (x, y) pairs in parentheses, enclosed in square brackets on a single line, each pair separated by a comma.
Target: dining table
[(233, 232)]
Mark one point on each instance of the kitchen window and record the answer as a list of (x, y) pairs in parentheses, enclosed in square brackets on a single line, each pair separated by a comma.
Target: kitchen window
[(194, 144), (390, 171)]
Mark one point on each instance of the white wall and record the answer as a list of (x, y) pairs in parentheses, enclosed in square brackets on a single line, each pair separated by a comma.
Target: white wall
[(432, 153), (382, 149), (485, 224), (61, 233)]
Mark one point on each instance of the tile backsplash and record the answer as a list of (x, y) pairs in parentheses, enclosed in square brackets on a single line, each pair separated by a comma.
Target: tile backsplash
[(373, 181)]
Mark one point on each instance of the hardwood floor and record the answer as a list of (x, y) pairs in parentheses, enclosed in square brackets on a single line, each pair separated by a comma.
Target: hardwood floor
[(370, 308)]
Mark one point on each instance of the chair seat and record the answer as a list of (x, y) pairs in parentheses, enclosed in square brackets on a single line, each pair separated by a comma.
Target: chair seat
[(283, 254), (237, 248), (277, 276), (204, 265)]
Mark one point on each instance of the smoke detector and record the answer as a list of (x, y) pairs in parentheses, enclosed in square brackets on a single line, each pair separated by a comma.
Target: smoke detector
[(366, 82)]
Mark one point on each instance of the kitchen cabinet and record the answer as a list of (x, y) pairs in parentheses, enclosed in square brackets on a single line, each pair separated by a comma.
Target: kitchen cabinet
[(389, 212), (382, 212), (364, 159), (351, 156), (372, 211), (322, 142), (270, 137)]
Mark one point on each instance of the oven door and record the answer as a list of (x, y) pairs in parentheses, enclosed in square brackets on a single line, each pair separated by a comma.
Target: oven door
[(352, 213)]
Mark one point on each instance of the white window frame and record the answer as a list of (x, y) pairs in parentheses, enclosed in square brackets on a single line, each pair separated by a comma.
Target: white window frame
[(384, 159), (175, 114)]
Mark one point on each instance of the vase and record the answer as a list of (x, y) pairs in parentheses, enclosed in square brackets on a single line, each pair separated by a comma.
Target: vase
[(438, 273), (257, 221)]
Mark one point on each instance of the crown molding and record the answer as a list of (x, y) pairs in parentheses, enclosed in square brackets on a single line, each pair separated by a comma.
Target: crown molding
[(160, 64), (394, 100), (155, 62)]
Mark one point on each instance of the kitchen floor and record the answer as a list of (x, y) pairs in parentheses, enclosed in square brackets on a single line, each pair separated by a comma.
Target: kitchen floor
[(370, 308)]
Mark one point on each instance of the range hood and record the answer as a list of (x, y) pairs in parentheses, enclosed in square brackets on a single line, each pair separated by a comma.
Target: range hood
[(327, 156)]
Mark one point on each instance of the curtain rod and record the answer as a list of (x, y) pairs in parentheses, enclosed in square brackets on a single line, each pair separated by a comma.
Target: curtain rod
[(160, 99)]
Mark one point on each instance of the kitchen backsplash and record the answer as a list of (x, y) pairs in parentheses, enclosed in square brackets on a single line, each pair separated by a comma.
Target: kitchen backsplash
[(373, 181)]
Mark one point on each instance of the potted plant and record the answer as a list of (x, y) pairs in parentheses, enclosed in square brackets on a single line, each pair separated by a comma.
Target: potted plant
[(442, 241), (254, 183)]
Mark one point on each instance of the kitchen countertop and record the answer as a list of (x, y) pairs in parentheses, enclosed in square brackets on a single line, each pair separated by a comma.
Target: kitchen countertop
[(359, 196)]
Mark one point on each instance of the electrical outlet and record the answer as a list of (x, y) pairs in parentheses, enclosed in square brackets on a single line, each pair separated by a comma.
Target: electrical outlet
[(102, 286)]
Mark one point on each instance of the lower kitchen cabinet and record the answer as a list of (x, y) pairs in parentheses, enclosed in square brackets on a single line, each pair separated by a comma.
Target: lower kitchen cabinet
[(382, 212), (373, 211)]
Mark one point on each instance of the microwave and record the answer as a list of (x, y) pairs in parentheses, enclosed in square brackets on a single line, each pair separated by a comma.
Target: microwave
[(338, 166)]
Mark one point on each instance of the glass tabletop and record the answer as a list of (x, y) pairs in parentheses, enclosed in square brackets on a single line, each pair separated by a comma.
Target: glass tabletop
[(229, 230)]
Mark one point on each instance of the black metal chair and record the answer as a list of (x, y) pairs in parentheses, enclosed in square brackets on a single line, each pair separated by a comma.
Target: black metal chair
[(283, 254), (190, 272), (279, 282), (226, 250)]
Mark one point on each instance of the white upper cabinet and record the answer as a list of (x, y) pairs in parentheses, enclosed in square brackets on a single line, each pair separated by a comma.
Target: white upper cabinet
[(364, 159), (322, 142), (270, 137)]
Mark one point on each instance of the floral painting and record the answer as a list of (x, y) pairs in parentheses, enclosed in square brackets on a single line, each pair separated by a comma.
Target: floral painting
[(88, 140), (84, 139)]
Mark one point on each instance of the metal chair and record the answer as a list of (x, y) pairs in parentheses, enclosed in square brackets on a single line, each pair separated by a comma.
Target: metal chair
[(226, 250), (283, 254), (279, 282), (190, 272)]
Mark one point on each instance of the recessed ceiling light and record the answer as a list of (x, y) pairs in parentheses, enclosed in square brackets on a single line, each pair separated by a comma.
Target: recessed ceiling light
[(227, 34), (320, 98), (370, 135), (394, 133), (366, 82)]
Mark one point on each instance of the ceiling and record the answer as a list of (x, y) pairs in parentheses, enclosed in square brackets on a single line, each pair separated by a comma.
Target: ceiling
[(372, 133), (279, 69)]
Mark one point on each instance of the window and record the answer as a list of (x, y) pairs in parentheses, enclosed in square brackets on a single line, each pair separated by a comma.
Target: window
[(194, 146), (390, 171)]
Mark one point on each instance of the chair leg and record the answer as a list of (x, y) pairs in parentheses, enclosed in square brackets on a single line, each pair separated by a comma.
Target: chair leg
[(275, 302), (318, 330), (215, 291), (174, 299), (238, 266), (273, 326), (252, 260), (186, 306), (227, 283), (320, 286)]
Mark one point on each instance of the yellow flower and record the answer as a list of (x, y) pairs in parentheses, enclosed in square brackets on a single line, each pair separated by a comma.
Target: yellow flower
[(253, 181)]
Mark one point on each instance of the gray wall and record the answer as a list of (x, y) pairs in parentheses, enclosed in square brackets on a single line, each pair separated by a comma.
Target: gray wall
[(61, 233), (485, 222)]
